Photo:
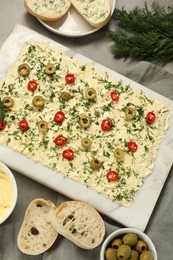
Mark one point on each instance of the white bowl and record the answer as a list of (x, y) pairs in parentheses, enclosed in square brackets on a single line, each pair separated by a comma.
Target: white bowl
[(124, 231), (7, 171)]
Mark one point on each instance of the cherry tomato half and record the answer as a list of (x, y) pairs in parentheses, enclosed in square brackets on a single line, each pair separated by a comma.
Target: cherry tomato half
[(32, 85), (69, 78), (59, 117), (112, 176), (2, 124), (114, 95), (68, 154), (60, 140), (150, 118), (23, 125), (106, 125), (132, 146)]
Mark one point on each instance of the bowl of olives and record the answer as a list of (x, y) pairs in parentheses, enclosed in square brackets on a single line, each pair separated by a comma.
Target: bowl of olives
[(128, 244)]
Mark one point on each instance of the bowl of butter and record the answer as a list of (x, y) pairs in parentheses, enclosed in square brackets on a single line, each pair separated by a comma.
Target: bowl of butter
[(8, 192)]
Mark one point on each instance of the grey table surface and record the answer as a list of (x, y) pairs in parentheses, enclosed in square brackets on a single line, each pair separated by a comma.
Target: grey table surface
[(95, 46)]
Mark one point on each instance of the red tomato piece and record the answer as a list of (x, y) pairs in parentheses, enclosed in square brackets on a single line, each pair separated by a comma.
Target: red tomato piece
[(115, 96), (60, 140), (2, 124), (59, 117), (23, 125), (32, 85), (68, 154), (112, 176), (132, 146), (106, 124), (150, 118), (69, 78)]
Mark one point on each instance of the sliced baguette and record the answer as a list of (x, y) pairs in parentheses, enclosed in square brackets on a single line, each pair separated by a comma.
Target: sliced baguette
[(80, 223), (37, 234), (96, 12), (47, 10)]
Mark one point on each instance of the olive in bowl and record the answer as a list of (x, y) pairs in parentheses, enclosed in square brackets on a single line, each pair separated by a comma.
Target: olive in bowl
[(128, 244), (8, 188)]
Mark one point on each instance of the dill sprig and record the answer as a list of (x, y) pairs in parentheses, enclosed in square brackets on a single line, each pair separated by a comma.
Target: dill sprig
[(2, 112), (144, 34)]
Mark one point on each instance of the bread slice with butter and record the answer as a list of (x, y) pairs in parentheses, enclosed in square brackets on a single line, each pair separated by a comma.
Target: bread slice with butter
[(96, 12), (47, 10), (37, 234), (80, 223)]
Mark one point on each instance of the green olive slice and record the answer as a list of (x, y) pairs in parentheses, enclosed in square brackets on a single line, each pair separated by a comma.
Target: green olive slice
[(42, 126), (65, 95), (119, 154), (95, 164), (8, 102), (85, 121), (130, 113), (86, 143), (50, 69), (38, 101), (23, 69), (90, 93)]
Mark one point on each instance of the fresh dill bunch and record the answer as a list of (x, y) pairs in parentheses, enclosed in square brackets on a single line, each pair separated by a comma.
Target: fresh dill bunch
[(143, 34), (150, 46), (143, 20)]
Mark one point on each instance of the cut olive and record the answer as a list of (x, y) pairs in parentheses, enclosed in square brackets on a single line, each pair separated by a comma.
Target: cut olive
[(124, 252), (90, 93), (111, 254), (95, 164), (23, 69), (116, 243), (141, 246), (42, 126), (38, 101), (86, 143), (85, 121), (147, 255), (130, 239), (50, 69), (65, 96), (8, 102), (119, 154), (130, 113)]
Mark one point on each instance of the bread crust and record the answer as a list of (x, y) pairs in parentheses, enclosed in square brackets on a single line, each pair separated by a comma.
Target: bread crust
[(45, 14), (80, 223), (37, 234)]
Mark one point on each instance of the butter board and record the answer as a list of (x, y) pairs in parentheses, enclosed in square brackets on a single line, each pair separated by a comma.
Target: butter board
[(59, 183)]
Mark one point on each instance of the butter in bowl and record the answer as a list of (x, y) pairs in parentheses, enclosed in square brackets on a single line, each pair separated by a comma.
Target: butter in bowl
[(8, 192)]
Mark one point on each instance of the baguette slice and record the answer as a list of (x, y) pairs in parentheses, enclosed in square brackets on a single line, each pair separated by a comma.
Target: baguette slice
[(80, 223), (47, 10), (96, 12), (37, 234)]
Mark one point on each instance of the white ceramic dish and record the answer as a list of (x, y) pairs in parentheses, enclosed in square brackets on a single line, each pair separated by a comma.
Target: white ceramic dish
[(124, 231), (7, 171), (72, 24)]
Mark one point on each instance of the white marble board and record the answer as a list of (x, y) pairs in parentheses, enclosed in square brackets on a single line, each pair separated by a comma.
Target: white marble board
[(138, 214)]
